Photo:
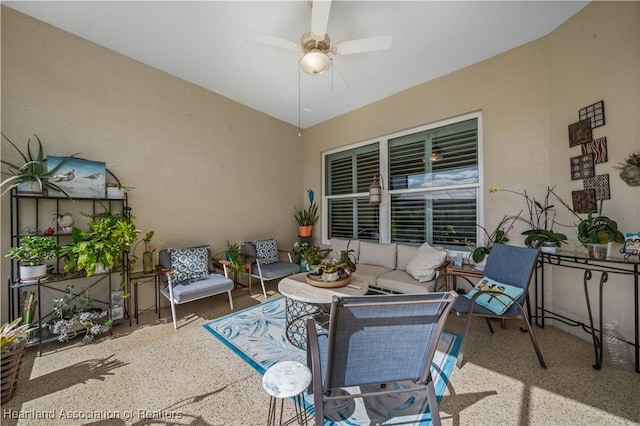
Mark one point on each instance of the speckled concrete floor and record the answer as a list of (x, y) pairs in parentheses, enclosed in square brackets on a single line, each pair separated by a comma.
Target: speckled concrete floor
[(154, 375)]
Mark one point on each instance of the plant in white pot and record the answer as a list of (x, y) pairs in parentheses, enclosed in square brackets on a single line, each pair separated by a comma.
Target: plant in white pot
[(31, 253)]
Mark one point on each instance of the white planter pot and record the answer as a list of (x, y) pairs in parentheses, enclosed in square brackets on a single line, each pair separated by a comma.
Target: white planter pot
[(548, 248), (32, 273), (115, 192)]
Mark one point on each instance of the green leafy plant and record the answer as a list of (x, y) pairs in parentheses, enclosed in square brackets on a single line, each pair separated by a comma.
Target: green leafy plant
[(541, 218), (498, 236), (108, 236), (306, 217), (234, 256), (310, 253), (34, 169), (70, 312), (11, 333), (598, 229), (33, 250)]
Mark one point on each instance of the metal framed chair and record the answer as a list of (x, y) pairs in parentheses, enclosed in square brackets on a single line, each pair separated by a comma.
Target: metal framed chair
[(266, 265), (377, 340), (510, 265), (190, 276)]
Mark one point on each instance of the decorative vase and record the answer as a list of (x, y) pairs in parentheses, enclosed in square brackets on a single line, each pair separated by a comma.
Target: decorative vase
[(597, 251), (331, 276), (147, 262)]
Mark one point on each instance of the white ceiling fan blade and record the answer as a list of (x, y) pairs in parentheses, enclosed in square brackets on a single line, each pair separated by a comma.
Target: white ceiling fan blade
[(370, 44), (255, 36), (320, 17)]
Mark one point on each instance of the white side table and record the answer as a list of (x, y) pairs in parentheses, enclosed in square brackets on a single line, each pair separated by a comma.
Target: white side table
[(283, 380)]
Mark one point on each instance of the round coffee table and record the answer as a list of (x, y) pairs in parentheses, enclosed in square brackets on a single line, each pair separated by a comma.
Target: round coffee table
[(304, 301)]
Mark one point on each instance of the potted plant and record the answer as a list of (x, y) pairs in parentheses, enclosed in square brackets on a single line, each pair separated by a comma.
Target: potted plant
[(116, 190), (32, 176), (631, 169), (541, 219), (102, 245), (13, 341), (596, 232), (310, 255), (498, 236), (31, 253), (71, 317), (234, 256), (306, 218)]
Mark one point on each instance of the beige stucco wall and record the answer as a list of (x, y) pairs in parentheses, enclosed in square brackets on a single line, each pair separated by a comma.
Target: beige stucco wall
[(528, 96), (205, 169)]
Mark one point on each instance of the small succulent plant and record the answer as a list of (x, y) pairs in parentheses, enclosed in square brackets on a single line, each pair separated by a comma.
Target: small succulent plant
[(633, 159)]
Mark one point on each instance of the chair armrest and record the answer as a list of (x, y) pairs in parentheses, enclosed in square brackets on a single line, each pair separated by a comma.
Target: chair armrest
[(288, 254), (313, 362)]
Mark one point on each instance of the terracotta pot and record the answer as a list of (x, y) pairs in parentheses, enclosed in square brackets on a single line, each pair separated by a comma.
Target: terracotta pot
[(305, 231)]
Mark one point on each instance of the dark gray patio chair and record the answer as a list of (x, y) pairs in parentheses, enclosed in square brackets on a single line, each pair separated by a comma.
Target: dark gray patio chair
[(377, 340), (510, 265), (266, 265)]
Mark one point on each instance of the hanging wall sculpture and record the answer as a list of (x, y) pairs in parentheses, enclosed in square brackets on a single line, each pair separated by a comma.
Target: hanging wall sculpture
[(594, 151)]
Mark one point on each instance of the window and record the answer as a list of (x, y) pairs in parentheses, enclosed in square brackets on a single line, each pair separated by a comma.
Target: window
[(431, 182)]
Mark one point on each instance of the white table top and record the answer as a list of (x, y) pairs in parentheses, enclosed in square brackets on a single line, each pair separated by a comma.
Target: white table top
[(296, 287)]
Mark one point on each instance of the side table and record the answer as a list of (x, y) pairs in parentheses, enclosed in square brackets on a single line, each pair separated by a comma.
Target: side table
[(144, 276), (245, 266), (451, 272)]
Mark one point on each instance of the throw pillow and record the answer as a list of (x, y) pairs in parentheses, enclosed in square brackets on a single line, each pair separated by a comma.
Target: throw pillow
[(424, 262), (497, 303), (189, 263), (267, 250)]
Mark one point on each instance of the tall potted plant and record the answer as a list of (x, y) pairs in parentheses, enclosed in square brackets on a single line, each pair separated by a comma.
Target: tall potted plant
[(31, 253), (33, 174), (306, 218)]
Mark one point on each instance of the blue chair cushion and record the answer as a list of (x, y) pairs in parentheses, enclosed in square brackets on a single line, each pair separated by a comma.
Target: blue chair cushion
[(186, 291), (276, 270)]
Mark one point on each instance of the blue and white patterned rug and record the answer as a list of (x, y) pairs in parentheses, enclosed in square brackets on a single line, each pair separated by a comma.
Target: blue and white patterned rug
[(256, 335)]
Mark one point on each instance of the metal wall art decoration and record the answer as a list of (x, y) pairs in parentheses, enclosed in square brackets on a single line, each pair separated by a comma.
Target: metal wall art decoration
[(600, 184), (597, 147), (594, 113), (584, 201), (580, 133), (79, 178), (582, 167)]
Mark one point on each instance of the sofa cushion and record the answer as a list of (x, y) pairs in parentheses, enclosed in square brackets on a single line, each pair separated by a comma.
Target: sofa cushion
[(400, 282), (189, 263), (426, 259), (405, 254), (370, 273), (339, 244), (377, 254), (267, 250)]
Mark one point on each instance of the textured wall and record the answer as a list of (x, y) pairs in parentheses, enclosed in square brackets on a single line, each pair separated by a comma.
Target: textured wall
[(528, 96), (205, 169)]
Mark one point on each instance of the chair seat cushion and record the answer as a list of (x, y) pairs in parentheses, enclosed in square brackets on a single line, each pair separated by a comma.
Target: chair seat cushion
[(496, 303), (276, 270), (186, 291)]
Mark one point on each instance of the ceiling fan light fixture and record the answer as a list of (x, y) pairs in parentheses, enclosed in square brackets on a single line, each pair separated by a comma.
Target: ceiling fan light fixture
[(315, 62)]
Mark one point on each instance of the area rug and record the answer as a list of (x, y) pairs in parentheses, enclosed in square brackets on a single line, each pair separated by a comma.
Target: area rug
[(256, 335)]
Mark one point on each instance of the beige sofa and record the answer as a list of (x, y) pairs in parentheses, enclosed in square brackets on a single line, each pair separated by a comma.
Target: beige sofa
[(394, 268)]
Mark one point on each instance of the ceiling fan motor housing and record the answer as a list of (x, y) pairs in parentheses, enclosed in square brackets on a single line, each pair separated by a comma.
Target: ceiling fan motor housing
[(311, 42)]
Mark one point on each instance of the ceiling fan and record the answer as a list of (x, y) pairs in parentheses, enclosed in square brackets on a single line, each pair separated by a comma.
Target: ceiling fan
[(316, 44)]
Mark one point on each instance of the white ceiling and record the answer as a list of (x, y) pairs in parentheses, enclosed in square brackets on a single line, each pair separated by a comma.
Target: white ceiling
[(205, 42)]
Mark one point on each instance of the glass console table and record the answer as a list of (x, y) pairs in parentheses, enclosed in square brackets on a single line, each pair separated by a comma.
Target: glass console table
[(611, 265)]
